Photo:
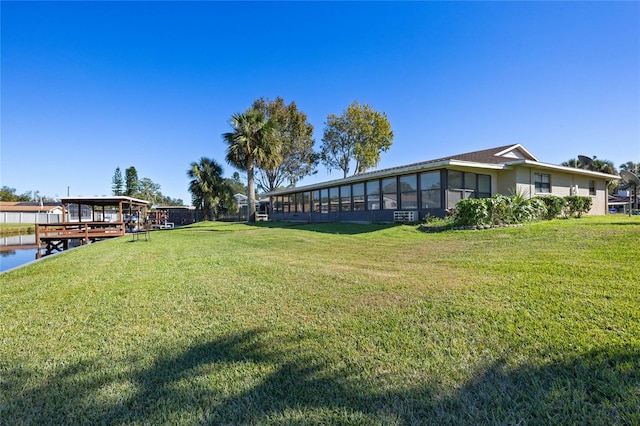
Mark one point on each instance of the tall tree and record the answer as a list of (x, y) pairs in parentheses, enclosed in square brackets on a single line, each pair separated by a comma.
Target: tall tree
[(250, 144), (595, 165), (630, 166), (117, 183), (149, 190), (294, 133), (209, 192), (131, 182), (572, 162), (603, 166), (237, 187), (360, 134)]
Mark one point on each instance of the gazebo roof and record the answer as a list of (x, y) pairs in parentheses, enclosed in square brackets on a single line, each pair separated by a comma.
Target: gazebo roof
[(105, 201)]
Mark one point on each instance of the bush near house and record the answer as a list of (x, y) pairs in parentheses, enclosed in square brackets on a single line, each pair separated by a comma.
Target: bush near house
[(498, 210), (554, 205), (513, 210), (576, 206)]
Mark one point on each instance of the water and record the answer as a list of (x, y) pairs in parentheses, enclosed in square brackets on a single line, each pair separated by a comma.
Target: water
[(11, 253), (14, 258)]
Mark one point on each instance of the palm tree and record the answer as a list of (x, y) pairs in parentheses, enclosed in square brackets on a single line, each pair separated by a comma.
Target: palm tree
[(573, 162), (251, 143), (629, 166), (603, 166), (207, 185)]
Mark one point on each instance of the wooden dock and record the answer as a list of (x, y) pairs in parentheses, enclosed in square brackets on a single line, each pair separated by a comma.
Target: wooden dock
[(129, 214), (53, 237)]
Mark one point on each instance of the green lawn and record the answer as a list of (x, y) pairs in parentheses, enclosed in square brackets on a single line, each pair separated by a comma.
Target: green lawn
[(8, 229), (329, 324)]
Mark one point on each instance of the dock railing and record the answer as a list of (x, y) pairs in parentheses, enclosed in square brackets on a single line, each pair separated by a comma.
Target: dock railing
[(56, 236)]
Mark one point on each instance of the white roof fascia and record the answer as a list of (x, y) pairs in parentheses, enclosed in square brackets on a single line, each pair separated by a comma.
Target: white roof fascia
[(516, 146), (360, 178), (476, 165), (565, 169), (65, 200), (418, 167)]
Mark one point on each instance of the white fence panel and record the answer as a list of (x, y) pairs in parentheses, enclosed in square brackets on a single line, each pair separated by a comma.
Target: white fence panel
[(19, 217)]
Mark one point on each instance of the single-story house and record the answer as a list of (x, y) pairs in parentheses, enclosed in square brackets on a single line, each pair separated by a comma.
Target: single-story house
[(411, 192), (29, 212)]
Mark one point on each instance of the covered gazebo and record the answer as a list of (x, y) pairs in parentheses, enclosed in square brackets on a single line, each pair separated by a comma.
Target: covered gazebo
[(89, 219)]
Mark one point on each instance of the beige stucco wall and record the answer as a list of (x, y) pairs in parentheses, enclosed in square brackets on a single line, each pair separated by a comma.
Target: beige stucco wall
[(523, 179)]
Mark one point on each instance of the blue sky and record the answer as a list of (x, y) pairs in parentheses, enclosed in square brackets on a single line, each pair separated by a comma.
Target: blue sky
[(91, 86)]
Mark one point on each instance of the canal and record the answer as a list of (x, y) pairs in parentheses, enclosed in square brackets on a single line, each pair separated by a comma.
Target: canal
[(17, 250)]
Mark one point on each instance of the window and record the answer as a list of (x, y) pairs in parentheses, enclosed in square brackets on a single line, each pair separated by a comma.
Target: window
[(409, 192), (389, 193), (334, 199), (305, 202), (345, 198), (286, 203), (455, 187), (461, 185), (469, 185), (373, 195), (484, 186), (277, 205), (543, 183), (315, 201), (592, 187), (357, 191), (324, 200), (454, 179), (430, 190)]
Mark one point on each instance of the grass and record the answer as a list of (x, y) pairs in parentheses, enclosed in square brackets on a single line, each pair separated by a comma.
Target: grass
[(224, 323), (8, 229)]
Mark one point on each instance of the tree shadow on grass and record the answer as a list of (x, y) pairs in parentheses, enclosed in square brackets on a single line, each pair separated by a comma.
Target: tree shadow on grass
[(342, 228), (272, 387)]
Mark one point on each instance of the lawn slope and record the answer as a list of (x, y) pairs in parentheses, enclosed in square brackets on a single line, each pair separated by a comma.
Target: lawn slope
[(223, 323)]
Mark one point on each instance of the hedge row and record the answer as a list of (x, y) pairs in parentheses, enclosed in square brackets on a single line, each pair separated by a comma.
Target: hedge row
[(512, 210)]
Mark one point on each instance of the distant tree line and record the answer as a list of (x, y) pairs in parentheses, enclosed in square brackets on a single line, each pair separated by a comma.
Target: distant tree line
[(605, 166), (144, 189), (9, 194)]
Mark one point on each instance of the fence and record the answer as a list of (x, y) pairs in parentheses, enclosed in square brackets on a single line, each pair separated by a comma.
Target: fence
[(20, 217)]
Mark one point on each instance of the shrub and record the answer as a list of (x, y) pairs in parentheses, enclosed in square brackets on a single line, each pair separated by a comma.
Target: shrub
[(498, 210), (576, 205), (554, 205), (471, 212), (439, 223), (538, 208)]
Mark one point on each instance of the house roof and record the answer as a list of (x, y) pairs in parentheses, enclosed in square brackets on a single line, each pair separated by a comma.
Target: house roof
[(498, 158), (27, 207), (498, 155)]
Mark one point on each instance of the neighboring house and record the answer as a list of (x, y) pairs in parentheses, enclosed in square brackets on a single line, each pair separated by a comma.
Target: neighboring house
[(29, 212), (241, 200), (176, 215), (435, 186), (624, 201)]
